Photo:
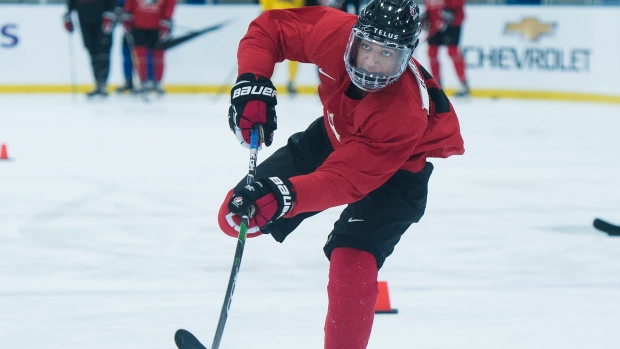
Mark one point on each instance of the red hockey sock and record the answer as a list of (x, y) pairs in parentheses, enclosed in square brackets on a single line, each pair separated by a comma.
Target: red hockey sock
[(352, 292), (141, 52), (433, 52), (158, 64), (459, 62)]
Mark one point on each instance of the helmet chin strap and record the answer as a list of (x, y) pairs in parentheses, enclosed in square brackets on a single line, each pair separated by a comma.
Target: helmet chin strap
[(355, 92)]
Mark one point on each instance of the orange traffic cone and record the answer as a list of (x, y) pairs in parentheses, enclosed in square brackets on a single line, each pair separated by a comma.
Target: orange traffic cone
[(3, 153), (383, 300)]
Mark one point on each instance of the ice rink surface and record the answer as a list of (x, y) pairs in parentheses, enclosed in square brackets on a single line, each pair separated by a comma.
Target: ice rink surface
[(109, 239)]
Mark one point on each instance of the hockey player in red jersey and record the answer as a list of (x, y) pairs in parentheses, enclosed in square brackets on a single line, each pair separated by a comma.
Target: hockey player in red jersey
[(383, 116), (444, 20), (149, 22)]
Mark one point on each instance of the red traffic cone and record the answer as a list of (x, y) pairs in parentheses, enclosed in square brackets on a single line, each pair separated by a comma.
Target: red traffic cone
[(383, 300), (3, 153)]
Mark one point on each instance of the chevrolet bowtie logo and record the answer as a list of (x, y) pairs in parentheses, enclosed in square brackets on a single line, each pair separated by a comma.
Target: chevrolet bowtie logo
[(530, 27)]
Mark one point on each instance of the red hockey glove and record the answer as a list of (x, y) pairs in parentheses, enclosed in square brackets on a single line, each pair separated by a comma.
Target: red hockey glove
[(165, 26), (265, 200), (66, 18), (108, 22), (253, 101), (230, 223), (447, 17), (127, 22)]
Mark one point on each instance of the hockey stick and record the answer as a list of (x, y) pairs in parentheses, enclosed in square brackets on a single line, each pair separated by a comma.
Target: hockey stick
[(136, 64), (184, 339), (610, 229), (72, 67), (229, 78), (132, 52), (172, 42)]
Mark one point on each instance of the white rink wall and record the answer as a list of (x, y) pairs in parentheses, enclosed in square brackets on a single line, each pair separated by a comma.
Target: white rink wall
[(511, 51), (38, 51)]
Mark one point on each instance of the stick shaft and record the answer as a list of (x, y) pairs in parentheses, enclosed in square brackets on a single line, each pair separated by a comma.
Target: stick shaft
[(240, 247)]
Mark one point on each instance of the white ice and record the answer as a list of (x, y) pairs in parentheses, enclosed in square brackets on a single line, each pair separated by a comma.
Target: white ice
[(109, 240)]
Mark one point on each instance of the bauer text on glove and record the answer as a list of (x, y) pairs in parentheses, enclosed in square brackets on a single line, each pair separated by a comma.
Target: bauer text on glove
[(265, 200), (252, 102)]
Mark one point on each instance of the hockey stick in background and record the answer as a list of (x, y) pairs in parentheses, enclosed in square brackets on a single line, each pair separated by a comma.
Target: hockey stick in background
[(610, 229), (72, 67), (172, 42), (136, 64), (225, 85), (132, 52), (183, 338)]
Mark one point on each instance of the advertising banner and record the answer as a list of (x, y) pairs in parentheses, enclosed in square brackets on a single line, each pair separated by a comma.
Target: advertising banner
[(520, 51)]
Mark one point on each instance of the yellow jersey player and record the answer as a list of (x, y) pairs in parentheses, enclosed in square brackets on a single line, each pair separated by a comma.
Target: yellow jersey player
[(282, 5)]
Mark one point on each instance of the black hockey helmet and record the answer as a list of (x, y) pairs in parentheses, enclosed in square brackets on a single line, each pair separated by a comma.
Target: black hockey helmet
[(395, 22)]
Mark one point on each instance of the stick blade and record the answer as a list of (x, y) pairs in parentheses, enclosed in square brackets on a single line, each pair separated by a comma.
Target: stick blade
[(185, 340), (610, 229)]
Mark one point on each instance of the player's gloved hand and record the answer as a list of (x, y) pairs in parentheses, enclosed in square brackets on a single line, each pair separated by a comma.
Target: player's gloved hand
[(66, 18), (447, 17), (424, 22), (119, 12), (127, 22), (253, 101), (165, 26), (264, 201), (108, 22)]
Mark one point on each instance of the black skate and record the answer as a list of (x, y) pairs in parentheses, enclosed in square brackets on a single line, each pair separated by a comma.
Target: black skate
[(463, 92), (158, 90), (147, 89), (125, 89), (99, 92), (290, 88)]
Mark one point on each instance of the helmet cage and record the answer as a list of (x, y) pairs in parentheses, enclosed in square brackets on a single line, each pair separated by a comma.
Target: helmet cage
[(373, 81)]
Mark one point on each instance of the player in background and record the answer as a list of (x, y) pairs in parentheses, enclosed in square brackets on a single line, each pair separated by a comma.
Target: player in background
[(149, 22), (444, 19), (351, 6), (128, 65), (383, 116), (292, 65), (92, 16)]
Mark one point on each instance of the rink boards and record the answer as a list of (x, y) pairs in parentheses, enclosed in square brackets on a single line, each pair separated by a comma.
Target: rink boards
[(554, 52)]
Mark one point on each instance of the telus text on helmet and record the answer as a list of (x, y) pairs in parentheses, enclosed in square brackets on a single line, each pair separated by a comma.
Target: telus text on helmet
[(386, 34)]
